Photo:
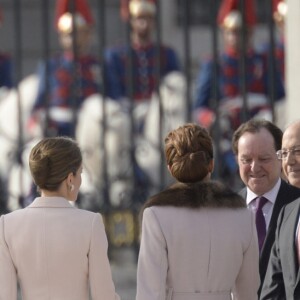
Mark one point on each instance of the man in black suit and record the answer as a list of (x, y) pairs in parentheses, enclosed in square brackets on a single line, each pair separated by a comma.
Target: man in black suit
[(255, 144), (282, 280)]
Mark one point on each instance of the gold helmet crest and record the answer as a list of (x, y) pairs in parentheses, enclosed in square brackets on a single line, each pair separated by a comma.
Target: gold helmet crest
[(80, 14), (141, 7), (280, 10)]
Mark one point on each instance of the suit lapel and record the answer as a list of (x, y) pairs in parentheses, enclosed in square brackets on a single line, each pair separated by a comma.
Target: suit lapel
[(283, 198), (280, 201), (270, 236), (294, 259), (288, 235)]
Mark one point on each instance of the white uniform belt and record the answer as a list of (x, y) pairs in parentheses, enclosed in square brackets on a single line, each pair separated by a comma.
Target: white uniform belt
[(60, 114)]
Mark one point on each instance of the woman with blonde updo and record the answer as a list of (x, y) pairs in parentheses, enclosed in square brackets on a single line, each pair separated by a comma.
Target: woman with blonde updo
[(198, 239), (52, 249)]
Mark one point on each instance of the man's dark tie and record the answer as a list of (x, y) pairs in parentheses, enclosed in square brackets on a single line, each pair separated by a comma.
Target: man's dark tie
[(260, 221)]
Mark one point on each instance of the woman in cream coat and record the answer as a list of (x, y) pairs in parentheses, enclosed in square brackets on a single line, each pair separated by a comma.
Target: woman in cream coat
[(54, 250), (198, 239)]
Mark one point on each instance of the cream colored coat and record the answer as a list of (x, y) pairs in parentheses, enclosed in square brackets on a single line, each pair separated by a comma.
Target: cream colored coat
[(56, 252), (198, 254)]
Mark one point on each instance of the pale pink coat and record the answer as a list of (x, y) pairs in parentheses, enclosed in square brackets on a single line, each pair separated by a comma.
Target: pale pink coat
[(198, 254), (56, 252)]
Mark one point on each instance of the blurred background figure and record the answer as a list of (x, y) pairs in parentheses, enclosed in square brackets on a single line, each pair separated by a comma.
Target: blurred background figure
[(280, 9), (135, 71), (242, 81), (6, 83), (5, 66), (275, 52), (142, 59), (67, 78), (70, 76)]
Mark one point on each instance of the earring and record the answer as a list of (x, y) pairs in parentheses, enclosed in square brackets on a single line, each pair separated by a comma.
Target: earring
[(71, 187)]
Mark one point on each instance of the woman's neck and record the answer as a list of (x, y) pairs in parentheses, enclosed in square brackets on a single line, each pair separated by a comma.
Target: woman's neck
[(58, 193)]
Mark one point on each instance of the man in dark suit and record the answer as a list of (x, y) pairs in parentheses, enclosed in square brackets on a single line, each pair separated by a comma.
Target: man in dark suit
[(282, 278), (255, 144)]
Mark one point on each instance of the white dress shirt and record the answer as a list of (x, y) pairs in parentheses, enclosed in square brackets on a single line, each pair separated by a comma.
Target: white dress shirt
[(268, 207)]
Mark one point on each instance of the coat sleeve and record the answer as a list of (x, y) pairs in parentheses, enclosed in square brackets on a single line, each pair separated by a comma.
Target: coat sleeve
[(113, 75), (101, 283), (172, 61), (40, 101), (6, 72), (273, 285), (204, 85), (8, 274), (152, 262), (247, 282)]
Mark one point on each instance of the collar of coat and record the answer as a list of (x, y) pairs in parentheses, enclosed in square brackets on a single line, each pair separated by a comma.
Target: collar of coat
[(196, 195)]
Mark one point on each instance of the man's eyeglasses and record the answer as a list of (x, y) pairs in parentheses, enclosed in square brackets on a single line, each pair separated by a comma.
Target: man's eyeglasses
[(283, 153)]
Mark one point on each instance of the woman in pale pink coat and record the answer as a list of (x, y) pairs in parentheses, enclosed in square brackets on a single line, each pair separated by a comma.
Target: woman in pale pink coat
[(54, 250), (198, 239)]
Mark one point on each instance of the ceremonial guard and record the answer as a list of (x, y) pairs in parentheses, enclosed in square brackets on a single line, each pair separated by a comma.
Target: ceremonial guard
[(5, 66), (229, 85), (144, 53), (280, 10), (6, 82), (70, 76)]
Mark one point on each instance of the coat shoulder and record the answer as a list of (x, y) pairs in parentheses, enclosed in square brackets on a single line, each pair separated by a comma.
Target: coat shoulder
[(292, 190), (291, 206)]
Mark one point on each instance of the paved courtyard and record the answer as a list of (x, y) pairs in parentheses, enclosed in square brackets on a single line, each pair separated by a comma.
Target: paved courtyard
[(123, 268)]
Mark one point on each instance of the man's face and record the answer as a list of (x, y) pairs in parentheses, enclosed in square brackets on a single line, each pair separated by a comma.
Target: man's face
[(232, 38), (291, 163), (142, 25), (258, 163), (83, 40)]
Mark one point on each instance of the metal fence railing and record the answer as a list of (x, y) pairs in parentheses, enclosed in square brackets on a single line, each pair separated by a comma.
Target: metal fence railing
[(125, 181)]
